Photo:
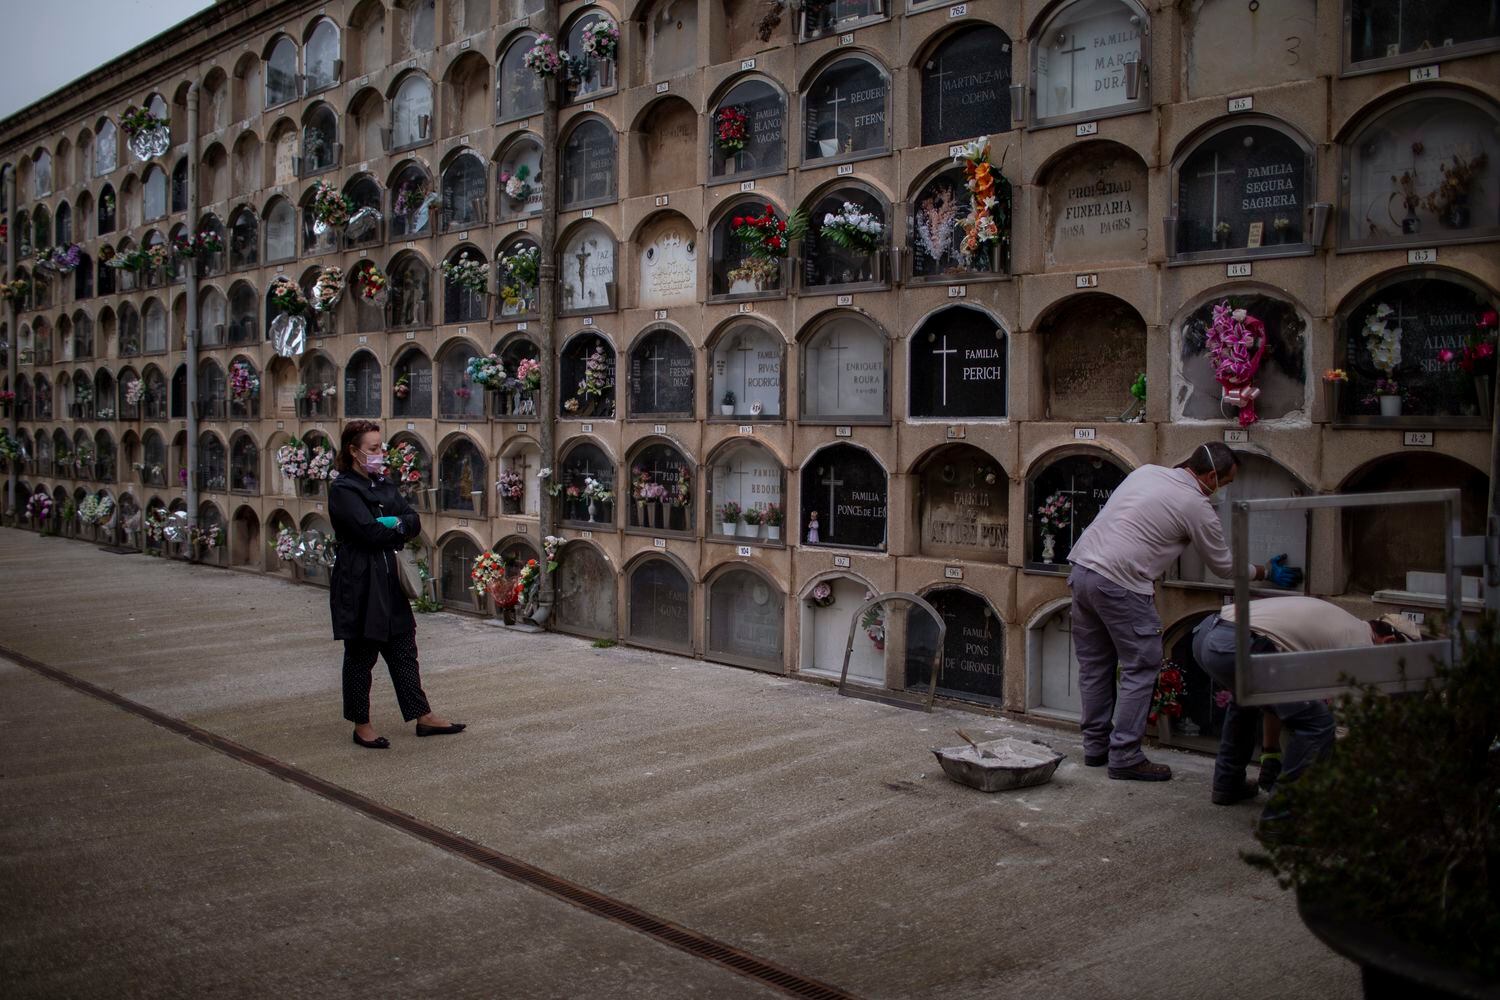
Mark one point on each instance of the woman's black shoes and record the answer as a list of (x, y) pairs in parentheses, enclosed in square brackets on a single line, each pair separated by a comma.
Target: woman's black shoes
[(378, 743), (456, 727)]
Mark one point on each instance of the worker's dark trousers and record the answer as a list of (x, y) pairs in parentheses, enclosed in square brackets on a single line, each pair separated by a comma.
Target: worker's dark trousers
[(1309, 724)]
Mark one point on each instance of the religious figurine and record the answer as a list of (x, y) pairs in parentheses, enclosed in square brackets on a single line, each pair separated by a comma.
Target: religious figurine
[(1049, 547), (812, 528)]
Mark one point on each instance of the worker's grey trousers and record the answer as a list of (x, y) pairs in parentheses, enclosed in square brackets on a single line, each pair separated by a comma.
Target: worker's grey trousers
[(1112, 625)]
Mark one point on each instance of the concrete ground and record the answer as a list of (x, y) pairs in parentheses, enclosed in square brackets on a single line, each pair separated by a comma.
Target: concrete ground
[(814, 831)]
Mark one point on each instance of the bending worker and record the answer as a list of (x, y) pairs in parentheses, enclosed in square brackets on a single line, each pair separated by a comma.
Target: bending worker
[(1282, 625), (1148, 521)]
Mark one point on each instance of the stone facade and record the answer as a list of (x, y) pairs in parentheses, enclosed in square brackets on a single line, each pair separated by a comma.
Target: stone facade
[(921, 406)]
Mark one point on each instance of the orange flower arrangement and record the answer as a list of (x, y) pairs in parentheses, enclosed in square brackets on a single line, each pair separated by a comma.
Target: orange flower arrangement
[(980, 227)]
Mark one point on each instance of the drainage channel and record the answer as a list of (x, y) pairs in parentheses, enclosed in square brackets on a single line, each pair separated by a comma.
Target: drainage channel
[(668, 933)]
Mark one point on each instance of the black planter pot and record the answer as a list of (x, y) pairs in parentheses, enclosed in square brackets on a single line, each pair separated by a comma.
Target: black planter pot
[(1391, 968)]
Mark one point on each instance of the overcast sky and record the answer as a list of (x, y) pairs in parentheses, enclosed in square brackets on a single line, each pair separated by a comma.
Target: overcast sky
[(51, 43)]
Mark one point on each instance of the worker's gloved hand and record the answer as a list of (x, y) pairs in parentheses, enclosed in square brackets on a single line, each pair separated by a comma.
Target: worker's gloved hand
[(1282, 575), (391, 522)]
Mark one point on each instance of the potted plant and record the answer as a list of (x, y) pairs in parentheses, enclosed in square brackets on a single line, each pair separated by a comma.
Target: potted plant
[(1391, 843), (1388, 395), (773, 517), (750, 523), (726, 405), (730, 515)]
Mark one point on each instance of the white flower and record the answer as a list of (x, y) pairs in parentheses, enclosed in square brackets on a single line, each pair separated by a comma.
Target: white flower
[(1239, 315), (545, 473)]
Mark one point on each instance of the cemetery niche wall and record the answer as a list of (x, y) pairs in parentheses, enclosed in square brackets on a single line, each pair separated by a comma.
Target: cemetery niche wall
[(959, 366), (661, 489), (746, 475), (1094, 209), (936, 236), (1064, 494), (1409, 346), (844, 377), (659, 604), (1279, 375), (667, 264), (1052, 663), (748, 137), (973, 665), (845, 110), (844, 499), (963, 511), (586, 377), (586, 269), (1242, 188), (585, 485), (828, 606), (1093, 351), (746, 620), (1423, 169), (662, 372)]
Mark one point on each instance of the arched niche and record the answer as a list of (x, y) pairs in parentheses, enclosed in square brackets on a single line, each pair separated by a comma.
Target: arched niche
[(963, 509), (411, 112), (815, 20), (106, 148), (462, 478), (517, 275), (582, 463), (213, 463), (283, 149), (746, 620), (824, 632), (666, 146), (1400, 549), (844, 496), (412, 200), (364, 192), (596, 76), (244, 539), (1275, 41), (661, 489), (456, 555), (1089, 60), (1093, 349), (1202, 719), (518, 91), (281, 230), (1095, 206), (411, 385), (460, 303), (214, 550), (1242, 187), (410, 296), (1065, 491), (966, 87), (247, 167), (516, 402), (320, 56), (1421, 169), (734, 271), (244, 239), (747, 131), (320, 140), (825, 263), (973, 667), (671, 38), (667, 265), (750, 477), (464, 203), (845, 358), (746, 361), (243, 389), (586, 377), (659, 605), (586, 270), (1282, 373), (458, 398), (588, 164), (663, 370), (846, 110), (1411, 328), (937, 209), (281, 72), (960, 366), (419, 492), (586, 590), (367, 44), (362, 386), (466, 100), (366, 125), (1052, 664), (520, 489), (518, 181), (1272, 533), (244, 464), (1386, 33)]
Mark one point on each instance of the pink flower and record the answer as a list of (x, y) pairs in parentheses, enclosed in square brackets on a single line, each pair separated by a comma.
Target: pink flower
[(1446, 356), (1222, 698)]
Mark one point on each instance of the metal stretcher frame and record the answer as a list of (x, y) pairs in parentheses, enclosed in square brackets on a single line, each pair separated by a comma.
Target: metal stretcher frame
[(1272, 678)]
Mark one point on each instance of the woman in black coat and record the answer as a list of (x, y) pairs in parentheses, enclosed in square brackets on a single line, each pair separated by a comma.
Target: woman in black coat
[(372, 522)]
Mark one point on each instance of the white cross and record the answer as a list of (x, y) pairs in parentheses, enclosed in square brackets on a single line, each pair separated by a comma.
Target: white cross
[(836, 100), (742, 350), (1215, 173), (832, 346), (831, 482), (656, 359), (938, 76), (1072, 493), (941, 352)]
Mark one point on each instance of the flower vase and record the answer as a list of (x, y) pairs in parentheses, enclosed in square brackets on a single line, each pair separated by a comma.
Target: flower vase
[(663, 515), (749, 530), (731, 528), (593, 511), (773, 532), (1390, 406), (1411, 225), (1457, 215), (1049, 548), (1483, 388), (642, 515), (726, 409)]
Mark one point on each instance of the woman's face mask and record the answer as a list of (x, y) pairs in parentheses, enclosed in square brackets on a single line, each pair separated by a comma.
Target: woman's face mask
[(372, 462)]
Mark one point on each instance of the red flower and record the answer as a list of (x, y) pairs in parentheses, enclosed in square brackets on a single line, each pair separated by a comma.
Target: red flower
[(781, 226), (739, 220), (774, 242), (1487, 348), (1488, 320)]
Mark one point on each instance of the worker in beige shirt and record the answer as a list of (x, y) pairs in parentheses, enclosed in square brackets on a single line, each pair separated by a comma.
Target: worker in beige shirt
[(1282, 625), (1148, 521)]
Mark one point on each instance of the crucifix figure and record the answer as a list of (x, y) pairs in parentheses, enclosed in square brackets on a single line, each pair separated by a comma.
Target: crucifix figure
[(832, 482), (1072, 55), (941, 354), (1214, 176), (834, 346)]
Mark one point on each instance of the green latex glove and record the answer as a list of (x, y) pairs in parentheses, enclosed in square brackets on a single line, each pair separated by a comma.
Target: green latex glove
[(388, 521)]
